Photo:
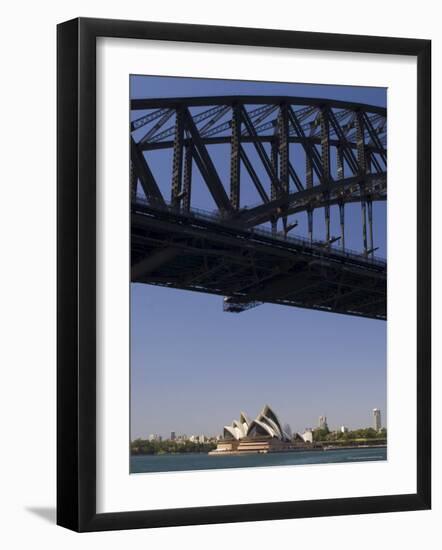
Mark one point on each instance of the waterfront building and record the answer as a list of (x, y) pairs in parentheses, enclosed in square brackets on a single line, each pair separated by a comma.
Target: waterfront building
[(377, 425), (307, 436), (172, 436), (323, 423), (262, 435), (154, 437), (344, 429)]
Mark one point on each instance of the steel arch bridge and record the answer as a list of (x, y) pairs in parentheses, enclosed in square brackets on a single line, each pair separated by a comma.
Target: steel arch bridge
[(295, 155)]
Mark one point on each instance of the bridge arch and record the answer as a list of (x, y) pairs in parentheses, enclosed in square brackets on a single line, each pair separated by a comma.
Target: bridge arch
[(296, 155), (340, 158)]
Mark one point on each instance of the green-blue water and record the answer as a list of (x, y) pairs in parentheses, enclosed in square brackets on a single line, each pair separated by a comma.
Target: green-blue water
[(200, 461)]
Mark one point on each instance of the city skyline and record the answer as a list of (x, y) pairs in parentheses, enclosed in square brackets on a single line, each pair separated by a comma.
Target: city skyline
[(374, 421)]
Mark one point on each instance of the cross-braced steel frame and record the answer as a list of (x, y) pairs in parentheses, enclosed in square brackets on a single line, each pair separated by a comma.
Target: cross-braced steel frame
[(298, 155)]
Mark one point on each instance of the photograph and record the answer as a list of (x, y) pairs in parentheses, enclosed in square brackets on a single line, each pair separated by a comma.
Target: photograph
[(258, 276), (226, 350), (196, 316)]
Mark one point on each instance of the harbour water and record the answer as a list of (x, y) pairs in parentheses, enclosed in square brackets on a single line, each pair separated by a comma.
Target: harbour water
[(201, 461)]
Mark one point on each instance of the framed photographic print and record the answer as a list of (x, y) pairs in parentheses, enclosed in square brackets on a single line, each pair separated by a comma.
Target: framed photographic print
[(230, 346)]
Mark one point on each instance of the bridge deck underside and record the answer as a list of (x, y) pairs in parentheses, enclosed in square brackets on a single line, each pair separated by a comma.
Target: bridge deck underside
[(198, 255)]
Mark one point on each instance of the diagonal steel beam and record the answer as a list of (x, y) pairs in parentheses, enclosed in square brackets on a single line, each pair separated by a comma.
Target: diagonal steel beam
[(309, 147), (149, 117), (209, 173), (151, 133), (296, 179), (261, 151), (143, 172), (218, 114), (375, 162), (253, 175), (374, 136), (346, 149)]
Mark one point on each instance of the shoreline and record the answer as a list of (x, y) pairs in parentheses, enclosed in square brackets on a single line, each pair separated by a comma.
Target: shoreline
[(323, 448), (298, 450), (347, 447)]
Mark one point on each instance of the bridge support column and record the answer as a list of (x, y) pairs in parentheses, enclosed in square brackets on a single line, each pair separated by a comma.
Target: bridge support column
[(273, 190), (370, 226), (325, 160), (364, 220), (340, 162), (360, 144), (340, 171), (235, 159), (342, 222), (327, 224), (133, 182), (283, 134), (309, 185), (187, 179), (310, 225), (368, 165), (177, 167)]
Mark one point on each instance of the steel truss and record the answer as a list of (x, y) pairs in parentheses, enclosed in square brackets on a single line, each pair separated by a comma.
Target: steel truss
[(340, 157)]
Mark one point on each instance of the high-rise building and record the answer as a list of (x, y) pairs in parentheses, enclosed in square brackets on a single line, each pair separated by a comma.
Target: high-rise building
[(323, 423), (377, 419), (172, 436)]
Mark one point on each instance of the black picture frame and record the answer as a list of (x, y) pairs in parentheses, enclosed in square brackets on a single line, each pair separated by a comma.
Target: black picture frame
[(77, 287)]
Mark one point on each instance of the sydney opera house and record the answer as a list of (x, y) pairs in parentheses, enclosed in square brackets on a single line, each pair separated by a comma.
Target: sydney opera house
[(262, 435)]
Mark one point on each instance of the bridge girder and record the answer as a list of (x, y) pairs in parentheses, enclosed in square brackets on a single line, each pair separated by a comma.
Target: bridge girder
[(300, 155), (205, 256)]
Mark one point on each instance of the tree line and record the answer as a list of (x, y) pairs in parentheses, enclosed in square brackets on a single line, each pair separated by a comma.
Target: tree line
[(146, 447), (361, 434)]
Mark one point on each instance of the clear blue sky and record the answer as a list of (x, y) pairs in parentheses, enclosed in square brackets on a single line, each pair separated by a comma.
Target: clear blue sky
[(194, 367)]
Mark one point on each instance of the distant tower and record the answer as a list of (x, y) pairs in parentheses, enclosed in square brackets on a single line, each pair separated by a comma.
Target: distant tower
[(377, 419), (172, 436), (323, 423)]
